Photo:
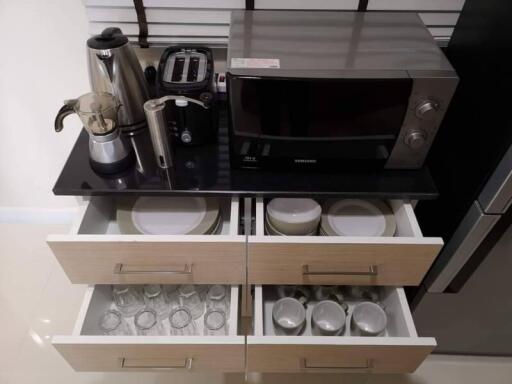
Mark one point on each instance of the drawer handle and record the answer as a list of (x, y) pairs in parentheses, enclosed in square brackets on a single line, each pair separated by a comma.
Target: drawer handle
[(119, 269), (187, 364), (372, 271), (306, 366)]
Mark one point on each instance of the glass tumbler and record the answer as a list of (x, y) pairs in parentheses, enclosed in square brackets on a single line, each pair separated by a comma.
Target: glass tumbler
[(128, 299), (202, 289), (217, 297), (215, 322), (190, 298), (182, 322), (147, 323), (112, 323), (155, 298), (172, 295)]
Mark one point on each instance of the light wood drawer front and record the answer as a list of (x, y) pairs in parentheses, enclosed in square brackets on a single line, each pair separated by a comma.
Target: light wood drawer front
[(335, 358), (96, 253), (399, 350), (102, 260), (324, 261), (96, 354), (400, 260), (85, 350)]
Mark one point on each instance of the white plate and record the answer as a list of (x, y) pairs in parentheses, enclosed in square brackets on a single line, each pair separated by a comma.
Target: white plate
[(155, 215), (354, 217)]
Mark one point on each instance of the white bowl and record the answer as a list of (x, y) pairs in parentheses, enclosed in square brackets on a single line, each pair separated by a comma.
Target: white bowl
[(270, 230), (294, 216)]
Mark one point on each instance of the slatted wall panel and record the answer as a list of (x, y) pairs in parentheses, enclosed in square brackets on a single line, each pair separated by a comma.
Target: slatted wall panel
[(207, 21)]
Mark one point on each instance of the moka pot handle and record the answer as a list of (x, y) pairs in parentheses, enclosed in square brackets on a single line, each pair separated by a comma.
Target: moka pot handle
[(66, 110)]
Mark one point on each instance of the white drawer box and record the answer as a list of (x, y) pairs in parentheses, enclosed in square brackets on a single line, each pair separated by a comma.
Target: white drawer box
[(400, 350), (95, 252), (87, 350), (346, 260)]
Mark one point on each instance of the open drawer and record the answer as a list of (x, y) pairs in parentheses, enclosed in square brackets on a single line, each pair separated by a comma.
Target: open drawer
[(96, 253), (398, 350), (346, 260), (87, 350)]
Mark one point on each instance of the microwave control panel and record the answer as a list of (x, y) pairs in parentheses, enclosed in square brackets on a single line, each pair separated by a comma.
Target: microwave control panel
[(428, 103)]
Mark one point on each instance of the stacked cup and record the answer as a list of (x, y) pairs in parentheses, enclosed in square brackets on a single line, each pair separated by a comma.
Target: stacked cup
[(292, 217)]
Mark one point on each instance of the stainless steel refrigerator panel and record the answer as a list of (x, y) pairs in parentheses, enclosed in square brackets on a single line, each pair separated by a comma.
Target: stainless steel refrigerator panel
[(468, 236), (496, 196), (477, 319)]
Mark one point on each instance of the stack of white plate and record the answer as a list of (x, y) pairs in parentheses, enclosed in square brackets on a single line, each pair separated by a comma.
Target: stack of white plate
[(292, 217), (153, 215), (354, 217)]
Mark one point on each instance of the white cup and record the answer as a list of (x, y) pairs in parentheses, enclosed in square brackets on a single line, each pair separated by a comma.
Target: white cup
[(289, 316), (368, 319), (323, 292), (286, 290), (328, 318)]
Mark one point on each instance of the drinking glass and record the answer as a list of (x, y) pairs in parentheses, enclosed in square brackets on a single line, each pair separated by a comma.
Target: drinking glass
[(128, 299), (147, 323), (190, 298), (112, 323), (215, 322), (182, 322), (202, 290), (172, 295), (217, 297), (155, 299)]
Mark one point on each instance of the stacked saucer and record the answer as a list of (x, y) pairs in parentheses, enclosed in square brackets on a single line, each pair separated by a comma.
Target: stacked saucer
[(292, 217), (354, 217), (154, 215)]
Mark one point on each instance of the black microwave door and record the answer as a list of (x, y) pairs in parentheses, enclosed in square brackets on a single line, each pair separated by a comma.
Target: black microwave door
[(329, 119)]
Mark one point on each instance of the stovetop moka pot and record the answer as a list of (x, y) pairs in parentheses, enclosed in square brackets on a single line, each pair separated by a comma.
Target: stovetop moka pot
[(108, 151)]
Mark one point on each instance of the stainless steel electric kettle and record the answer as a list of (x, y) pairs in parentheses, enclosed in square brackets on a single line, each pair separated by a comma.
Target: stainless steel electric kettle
[(115, 69)]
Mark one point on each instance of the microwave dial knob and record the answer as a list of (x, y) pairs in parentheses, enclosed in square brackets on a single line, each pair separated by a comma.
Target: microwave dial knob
[(186, 137), (427, 109), (415, 139)]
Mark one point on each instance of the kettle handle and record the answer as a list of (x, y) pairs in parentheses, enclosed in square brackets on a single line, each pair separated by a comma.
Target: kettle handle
[(65, 110)]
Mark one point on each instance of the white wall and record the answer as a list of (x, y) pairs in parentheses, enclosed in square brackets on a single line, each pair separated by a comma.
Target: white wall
[(42, 63)]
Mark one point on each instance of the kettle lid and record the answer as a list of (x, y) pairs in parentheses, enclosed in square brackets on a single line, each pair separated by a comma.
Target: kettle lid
[(109, 38)]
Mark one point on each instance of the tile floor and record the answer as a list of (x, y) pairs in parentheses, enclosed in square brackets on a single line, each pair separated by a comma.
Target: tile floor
[(37, 301)]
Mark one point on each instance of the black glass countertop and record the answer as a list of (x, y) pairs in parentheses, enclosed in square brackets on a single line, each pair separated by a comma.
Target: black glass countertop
[(206, 170)]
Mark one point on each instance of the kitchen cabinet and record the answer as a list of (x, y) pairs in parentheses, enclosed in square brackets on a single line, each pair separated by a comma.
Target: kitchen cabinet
[(344, 260), (95, 251), (242, 256), (86, 349), (399, 350)]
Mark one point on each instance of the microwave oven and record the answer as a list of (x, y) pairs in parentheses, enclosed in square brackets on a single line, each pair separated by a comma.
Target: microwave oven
[(331, 90)]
